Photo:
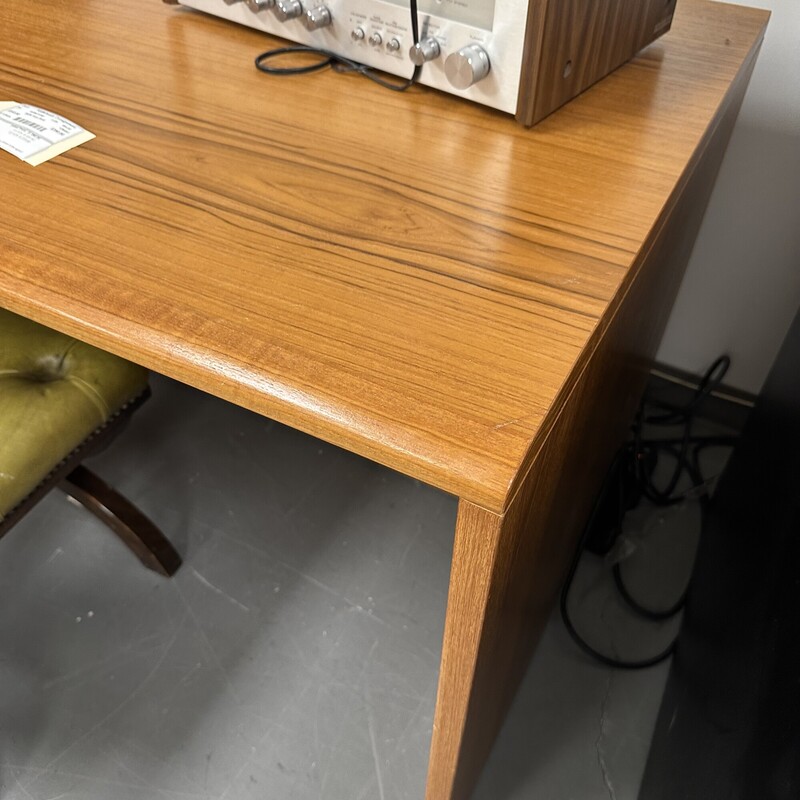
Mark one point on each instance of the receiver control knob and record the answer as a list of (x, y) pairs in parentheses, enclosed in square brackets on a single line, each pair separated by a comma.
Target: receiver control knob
[(467, 66), (287, 9), (375, 39), (317, 17), (259, 5), (423, 51), (357, 34)]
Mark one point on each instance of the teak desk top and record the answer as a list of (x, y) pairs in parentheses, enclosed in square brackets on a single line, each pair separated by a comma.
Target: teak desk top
[(409, 276), (415, 278)]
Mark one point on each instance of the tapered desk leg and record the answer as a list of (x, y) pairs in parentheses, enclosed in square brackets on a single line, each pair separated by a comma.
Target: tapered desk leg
[(505, 577), (458, 747)]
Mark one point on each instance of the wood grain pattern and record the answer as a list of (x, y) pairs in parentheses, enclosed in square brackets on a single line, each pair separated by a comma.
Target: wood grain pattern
[(411, 277), (507, 569), (571, 44)]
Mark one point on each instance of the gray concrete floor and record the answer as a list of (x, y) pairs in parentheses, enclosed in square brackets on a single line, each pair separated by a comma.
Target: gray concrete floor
[(295, 655)]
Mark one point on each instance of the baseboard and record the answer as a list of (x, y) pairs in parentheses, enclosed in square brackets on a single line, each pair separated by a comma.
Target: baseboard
[(725, 405)]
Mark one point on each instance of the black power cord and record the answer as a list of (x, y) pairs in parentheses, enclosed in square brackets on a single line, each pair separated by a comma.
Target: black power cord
[(336, 62), (632, 471)]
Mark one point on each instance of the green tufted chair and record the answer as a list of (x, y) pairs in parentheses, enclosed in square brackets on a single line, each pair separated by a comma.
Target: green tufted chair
[(61, 401)]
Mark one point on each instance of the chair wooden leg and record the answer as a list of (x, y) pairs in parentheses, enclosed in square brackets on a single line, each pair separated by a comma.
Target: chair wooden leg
[(152, 548)]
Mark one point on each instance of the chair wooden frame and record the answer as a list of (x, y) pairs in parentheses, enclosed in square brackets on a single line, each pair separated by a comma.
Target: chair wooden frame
[(138, 532)]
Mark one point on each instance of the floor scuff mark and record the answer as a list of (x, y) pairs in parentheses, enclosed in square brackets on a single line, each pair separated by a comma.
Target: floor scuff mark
[(219, 591), (373, 742), (601, 761)]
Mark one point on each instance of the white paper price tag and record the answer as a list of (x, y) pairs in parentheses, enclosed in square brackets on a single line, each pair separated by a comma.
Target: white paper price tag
[(36, 135)]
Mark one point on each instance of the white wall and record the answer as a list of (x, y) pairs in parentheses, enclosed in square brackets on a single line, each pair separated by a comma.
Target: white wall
[(742, 285)]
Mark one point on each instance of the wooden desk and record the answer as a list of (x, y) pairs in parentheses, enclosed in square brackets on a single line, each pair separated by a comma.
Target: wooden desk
[(411, 277)]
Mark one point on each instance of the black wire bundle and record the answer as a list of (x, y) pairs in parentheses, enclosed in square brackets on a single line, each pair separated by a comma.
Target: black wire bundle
[(336, 62), (639, 459)]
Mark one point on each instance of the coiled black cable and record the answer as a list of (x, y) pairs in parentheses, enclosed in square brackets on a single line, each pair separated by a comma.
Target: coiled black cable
[(338, 63), (685, 450)]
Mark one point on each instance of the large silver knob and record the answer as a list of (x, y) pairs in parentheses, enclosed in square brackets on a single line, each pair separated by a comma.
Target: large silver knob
[(318, 17), (259, 5), (423, 51), (287, 9), (467, 66)]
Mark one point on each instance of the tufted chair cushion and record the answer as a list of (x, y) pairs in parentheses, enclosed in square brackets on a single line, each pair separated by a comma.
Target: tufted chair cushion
[(54, 392)]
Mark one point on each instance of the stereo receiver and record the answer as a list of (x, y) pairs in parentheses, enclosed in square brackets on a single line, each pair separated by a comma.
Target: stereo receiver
[(525, 57)]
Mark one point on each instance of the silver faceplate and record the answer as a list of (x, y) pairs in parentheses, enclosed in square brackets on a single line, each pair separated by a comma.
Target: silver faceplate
[(503, 42)]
